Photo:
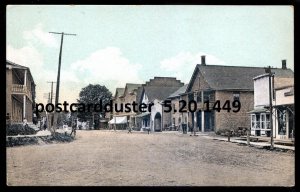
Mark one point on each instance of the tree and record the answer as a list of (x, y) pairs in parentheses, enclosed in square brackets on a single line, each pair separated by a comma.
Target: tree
[(93, 94)]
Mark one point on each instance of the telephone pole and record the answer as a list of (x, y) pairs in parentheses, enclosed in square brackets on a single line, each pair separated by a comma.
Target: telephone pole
[(271, 75), (51, 94), (59, 64), (58, 76)]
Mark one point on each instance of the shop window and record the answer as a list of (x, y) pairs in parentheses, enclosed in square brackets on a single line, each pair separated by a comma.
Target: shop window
[(255, 121), (281, 121)]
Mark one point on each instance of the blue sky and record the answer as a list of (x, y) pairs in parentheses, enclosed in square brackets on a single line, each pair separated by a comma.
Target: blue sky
[(131, 44)]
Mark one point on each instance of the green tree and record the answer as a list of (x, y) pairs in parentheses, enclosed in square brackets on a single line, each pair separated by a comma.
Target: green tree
[(93, 94)]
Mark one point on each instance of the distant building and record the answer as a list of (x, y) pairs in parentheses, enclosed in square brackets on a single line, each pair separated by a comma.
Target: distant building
[(123, 96), (20, 92), (153, 93), (177, 118), (282, 92)]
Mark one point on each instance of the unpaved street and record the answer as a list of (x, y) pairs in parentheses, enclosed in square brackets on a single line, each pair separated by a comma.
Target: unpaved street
[(168, 159)]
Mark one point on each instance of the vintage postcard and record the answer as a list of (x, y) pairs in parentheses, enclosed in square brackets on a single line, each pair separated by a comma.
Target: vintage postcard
[(149, 95)]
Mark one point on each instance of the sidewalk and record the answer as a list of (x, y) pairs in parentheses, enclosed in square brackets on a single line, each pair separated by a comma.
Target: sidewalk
[(237, 140)]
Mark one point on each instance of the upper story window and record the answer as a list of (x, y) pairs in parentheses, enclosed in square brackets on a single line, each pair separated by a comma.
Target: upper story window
[(191, 97), (199, 96), (208, 96), (236, 96)]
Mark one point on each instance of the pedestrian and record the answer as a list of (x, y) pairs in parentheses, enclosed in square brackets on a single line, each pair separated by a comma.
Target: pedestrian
[(129, 129), (8, 121), (74, 129), (25, 123), (148, 129)]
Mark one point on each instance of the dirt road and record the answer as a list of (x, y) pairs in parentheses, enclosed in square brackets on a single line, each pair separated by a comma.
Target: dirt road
[(159, 159)]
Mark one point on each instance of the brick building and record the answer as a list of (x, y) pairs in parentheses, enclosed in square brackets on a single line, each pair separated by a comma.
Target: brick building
[(211, 83), (154, 92), (20, 92), (177, 118)]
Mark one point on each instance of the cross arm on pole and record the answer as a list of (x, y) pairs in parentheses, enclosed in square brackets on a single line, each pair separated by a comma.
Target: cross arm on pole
[(63, 33)]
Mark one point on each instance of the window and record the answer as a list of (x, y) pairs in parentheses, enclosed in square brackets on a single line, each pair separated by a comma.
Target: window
[(263, 121), (191, 97), (206, 95), (236, 96), (255, 121), (199, 96), (281, 121), (268, 121), (258, 121)]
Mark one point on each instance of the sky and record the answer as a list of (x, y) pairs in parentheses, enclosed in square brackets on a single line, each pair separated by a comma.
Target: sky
[(115, 45)]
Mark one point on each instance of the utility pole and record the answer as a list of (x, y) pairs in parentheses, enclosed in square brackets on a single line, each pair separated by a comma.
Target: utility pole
[(49, 98), (268, 70), (51, 95), (58, 74), (59, 64)]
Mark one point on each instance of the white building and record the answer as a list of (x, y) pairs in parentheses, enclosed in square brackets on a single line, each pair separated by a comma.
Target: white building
[(282, 101)]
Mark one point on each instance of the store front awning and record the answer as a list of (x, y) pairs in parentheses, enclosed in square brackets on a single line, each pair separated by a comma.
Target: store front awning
[(143, 114), (118, 120), (261, 110)]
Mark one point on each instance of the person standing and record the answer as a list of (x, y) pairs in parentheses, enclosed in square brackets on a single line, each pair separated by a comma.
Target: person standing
[(129, 129), (25, 123), (8, 120)]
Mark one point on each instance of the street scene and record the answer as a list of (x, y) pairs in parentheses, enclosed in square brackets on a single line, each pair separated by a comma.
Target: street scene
[(150, 96), (108, 158)]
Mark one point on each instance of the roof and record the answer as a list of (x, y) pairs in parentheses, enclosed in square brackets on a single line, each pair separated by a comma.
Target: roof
[(179, 91), (131, 87), (220, 77), (17, 66), (119, 92), (159, 92)]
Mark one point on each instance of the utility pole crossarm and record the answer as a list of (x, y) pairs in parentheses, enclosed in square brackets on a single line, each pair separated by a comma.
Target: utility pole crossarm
[(63, 33)]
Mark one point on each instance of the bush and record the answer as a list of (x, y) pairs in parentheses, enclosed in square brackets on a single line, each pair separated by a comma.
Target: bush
[(19, 129)]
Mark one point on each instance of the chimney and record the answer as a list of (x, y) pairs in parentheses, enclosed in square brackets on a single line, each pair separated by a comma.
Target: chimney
[(283, 64), (203, 60)]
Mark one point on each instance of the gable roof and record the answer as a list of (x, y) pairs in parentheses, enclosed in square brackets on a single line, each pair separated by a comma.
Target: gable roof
[(119, 92), (178, 91), (221, 77), (158, 92), (131, 87)]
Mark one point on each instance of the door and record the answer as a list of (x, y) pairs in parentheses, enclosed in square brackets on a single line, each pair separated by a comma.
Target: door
[(157, 122), (199, 120), (208, 121)]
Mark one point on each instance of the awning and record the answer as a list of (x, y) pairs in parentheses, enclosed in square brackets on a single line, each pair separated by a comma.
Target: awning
[(261, 110), (118, 120), (143, 114)]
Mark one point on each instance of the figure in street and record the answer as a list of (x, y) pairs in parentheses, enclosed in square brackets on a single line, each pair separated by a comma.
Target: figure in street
[(73, 130)]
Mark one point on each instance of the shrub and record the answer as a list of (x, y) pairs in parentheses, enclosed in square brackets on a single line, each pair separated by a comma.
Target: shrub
[(19, 129)]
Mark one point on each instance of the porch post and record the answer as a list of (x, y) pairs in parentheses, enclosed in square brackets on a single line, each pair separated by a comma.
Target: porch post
[(202, 113), (24, 96), (287, 124), (202, 121)]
